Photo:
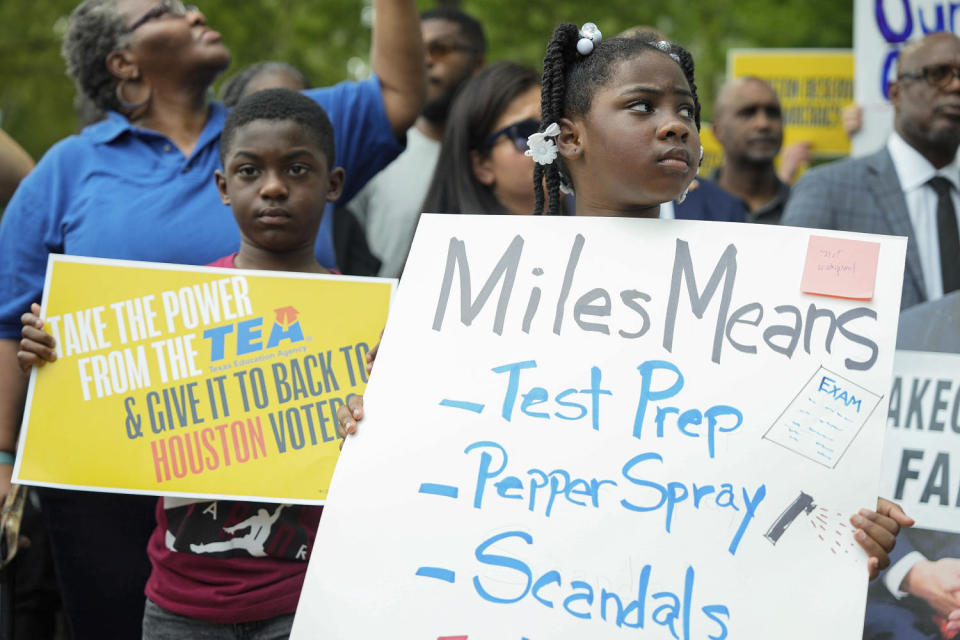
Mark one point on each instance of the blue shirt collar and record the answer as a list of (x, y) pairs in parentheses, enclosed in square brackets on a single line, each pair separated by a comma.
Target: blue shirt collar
[(115, 124), (109, 129)]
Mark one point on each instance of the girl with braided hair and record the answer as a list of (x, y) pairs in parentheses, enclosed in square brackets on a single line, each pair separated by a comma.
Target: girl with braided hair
[(626, 124), (620, 127)]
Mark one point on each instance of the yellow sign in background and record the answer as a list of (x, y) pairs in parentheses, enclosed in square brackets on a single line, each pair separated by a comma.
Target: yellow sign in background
[(813, 86), (194, 381), (712, 151)]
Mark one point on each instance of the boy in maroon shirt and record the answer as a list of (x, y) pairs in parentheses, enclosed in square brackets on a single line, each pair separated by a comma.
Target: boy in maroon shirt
[(222, 564), (225, 568)]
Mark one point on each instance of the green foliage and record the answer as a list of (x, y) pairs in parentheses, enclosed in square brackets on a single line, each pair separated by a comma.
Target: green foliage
[(708, 28), (318, 38), (35, 93), (327, 38)]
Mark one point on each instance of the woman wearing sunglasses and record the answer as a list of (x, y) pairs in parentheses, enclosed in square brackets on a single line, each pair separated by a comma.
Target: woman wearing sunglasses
[(482, 167), (139, 185)]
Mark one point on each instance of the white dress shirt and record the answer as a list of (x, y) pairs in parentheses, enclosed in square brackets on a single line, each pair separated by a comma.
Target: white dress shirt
[(913, 171)]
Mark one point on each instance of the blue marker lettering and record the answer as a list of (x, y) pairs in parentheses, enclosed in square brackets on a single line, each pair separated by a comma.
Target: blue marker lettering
[(714, 610), (751, 508), (549, 577), (595, 392), (510, 483), (691, 416), (666, 614), (503, 561), (538, 480), (536, 395), (606, 596), (513, 383), (647, 370), (716, 412), (628, 467), (560, 400), (586, 596), (638, 606), (484, 473)]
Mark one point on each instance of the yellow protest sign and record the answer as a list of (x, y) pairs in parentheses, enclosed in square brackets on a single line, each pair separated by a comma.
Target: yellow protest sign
[(196, 381), (813, 86)]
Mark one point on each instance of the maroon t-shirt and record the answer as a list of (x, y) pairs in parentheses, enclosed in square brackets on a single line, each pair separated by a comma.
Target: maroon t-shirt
[(229, 561)]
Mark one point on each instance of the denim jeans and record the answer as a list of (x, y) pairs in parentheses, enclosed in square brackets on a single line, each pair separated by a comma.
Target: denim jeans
[(160, 624)]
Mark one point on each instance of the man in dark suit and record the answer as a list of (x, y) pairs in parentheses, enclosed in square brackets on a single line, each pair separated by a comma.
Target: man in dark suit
[(908, 188)]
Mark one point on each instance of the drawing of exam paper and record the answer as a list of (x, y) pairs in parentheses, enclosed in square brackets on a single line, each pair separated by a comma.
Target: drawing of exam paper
[(824, 418)]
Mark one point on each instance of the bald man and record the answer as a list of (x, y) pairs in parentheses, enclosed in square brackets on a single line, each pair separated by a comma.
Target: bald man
[(909, 187), (748, 123)]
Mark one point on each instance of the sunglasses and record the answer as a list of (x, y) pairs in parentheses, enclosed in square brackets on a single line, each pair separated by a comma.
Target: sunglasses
[(937, 75), (163, 8), (518, 132), (442, 48)]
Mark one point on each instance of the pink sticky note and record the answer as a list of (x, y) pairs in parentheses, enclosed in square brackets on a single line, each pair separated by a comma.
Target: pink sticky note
[(840, 268)]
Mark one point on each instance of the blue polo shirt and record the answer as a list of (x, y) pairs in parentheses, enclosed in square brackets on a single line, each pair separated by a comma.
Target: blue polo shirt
[(119, 191)]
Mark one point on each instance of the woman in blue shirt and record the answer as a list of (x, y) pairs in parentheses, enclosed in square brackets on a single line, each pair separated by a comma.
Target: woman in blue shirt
[(139, 185)]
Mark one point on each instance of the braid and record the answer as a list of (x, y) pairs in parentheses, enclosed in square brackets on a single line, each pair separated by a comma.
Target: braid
[(686, 63), (553, 188), (558, 98), (561, 51), (538, 188)]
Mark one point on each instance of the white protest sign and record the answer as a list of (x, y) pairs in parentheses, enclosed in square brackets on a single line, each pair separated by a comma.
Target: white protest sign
[(923, 438), (564, 438), (880, 29)]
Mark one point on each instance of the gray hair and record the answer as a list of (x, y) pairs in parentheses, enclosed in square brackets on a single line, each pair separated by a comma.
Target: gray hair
[(95, 28)]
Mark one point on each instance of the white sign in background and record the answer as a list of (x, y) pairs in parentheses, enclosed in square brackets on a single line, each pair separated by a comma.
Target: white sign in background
[(923, 438), (880, 29), (574, 460)]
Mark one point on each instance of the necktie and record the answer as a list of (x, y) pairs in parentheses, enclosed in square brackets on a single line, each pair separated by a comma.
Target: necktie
[(948, 234)]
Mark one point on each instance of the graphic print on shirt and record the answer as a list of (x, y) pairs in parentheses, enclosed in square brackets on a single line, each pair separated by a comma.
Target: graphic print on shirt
[(228, 529)]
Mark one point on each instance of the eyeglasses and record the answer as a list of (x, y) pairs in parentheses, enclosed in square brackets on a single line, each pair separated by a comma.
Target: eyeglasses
[(518, 132), (443, 48), (937, 75), (163, 8)]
